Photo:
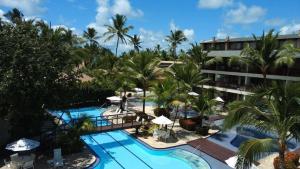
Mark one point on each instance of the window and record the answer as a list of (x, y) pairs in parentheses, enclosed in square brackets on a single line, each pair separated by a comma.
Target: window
[(220, 46), (235, 46)]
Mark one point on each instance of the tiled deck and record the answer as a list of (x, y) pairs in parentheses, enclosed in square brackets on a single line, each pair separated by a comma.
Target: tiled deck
[(212, 149)]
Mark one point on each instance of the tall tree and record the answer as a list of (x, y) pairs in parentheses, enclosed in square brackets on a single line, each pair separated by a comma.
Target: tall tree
[(175, 38), (142, 67), (136, 42), (273, 110), (118, 29), (91, 36), (15, 16)]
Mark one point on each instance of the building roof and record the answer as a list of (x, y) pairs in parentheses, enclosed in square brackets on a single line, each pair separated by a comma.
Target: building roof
[(242, 39)]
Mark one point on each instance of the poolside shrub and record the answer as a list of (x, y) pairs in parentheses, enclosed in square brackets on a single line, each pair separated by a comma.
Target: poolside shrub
[(291, 161), (161, 111)]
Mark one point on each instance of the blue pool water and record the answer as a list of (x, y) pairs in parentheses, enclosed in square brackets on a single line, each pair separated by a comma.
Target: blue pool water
[(118, 150), (80, 112), (246, 133)]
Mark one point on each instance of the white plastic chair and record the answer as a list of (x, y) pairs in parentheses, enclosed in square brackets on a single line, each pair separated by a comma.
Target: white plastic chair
[(166, 135), (57, 159), (14, 157), (28, 164)]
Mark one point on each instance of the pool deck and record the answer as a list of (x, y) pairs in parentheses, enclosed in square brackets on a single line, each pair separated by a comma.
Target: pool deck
[(212, 149)]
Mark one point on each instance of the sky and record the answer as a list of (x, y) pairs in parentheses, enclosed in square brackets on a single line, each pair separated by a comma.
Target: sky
[(153, 19)]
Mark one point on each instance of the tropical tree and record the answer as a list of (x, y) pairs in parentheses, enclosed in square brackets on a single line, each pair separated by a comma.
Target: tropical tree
[(164, 91), (118, 29), (15, 16), (91, 36), (175, 38), (266, 54), (274, 110), (136, 42), (142, 67), (200, 57), (188, 77)]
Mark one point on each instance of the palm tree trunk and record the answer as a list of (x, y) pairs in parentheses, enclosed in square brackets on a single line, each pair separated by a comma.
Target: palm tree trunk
[(117, 46), (144, 100), (282, 147), (175, 117)]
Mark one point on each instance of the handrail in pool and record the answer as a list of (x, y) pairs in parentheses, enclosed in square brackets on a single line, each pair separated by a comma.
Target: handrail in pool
[(107, 152), (129, 150)]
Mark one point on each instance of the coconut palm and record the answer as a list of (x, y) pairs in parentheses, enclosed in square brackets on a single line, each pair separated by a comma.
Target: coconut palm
[(91, 36), (200, 57), (136, 42), (175, 39), (15, 16), (188, 77), (118, 29), (164, 92), (267, 53), (142, 67), (273, 110), (203, 104)]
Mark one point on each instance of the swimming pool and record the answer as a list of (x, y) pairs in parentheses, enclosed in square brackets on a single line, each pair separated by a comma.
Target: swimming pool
[(118, 150), (77, 113), (246, 133)]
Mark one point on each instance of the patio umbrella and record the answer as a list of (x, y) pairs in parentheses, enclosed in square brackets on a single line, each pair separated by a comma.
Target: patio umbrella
[(193, 94), (138, 89), (162, 120), (114, 98), (218, 99), (23, 145)]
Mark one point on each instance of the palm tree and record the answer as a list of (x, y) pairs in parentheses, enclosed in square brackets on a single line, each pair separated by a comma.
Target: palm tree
[(91, 36), (175, 39), (118, 29), (164, 92), (203, 104), (188, 77), (142, 67), (266, 54), (15, 16), (136, 42), (273, 110)]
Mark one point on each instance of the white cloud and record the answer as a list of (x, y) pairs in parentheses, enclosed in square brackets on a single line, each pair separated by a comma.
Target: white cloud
[(150, 38), (123, 7), (29, 7), (275, 22), (214, 4), (290, 29), (223, 33), (244, 14)]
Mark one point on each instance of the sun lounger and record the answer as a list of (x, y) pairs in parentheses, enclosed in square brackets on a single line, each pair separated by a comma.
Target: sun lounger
[(28, 164), (57, 159)]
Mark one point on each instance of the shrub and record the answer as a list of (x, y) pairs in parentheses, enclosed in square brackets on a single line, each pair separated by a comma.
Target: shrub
[(161, 111), (291, 161)]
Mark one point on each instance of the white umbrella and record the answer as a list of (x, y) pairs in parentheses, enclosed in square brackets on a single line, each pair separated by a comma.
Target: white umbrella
[(138, 89), (218, 99), (162, 120), (23, 145), (193, 94), (114, 98), (233, 160)]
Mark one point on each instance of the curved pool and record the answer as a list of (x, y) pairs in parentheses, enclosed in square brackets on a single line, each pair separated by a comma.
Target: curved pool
[(118, 150)]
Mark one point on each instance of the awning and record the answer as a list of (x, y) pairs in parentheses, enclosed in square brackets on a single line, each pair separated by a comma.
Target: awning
[(114, 98), (218, 99)]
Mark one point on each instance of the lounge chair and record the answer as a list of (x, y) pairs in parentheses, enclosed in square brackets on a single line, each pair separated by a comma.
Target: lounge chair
[(57, 159), (166, 135), (28, 164), (14, 157)]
